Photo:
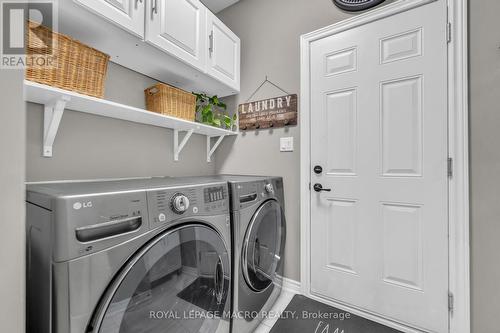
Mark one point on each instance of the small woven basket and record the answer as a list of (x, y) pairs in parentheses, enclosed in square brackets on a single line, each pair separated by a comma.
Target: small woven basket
[(170, 101), (73, 66)]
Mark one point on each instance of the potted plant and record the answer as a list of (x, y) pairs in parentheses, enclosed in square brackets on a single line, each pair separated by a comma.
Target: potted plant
[(212, 111)]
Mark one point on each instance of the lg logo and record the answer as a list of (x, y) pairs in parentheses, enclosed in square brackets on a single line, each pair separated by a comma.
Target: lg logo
[(80, 205)]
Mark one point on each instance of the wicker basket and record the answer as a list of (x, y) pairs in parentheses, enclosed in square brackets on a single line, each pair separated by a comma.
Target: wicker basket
[(171, 101), (75, 66)]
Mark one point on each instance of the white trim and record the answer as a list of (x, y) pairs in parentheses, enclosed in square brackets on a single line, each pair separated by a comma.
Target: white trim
[(291, 286), (459, 282)]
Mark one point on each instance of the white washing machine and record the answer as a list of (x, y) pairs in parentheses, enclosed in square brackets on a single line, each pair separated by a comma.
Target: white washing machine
[(129, 256)]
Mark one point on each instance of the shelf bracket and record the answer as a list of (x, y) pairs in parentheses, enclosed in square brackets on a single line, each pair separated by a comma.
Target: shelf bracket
[(178, 147), (53, 113), (211, 149)]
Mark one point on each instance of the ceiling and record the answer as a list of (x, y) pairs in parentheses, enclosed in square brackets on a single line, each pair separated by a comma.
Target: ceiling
[(217, 5)]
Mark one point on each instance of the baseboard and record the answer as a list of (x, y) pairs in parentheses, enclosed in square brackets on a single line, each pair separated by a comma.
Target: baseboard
[(291, 286)]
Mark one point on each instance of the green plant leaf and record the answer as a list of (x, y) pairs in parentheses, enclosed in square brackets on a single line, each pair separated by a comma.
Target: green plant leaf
[(206, 109), (213, 111)]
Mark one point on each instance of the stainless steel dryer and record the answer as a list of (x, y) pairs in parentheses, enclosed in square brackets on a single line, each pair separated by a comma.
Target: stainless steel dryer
[(148, 255), (259, 230)]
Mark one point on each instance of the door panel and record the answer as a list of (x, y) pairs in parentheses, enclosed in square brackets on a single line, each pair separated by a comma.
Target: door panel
[(402, 245), (401, 113), (342, 125), (223, 52), (128, 14), (341, 232), (178, 27), (379, 130), (163, 277)]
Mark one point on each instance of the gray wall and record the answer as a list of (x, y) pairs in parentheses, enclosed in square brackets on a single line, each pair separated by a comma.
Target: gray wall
[(269, 33), (12, 240), (484, 60), (90, 146)]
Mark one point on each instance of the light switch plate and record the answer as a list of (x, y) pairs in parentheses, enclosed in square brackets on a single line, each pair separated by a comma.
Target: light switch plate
[(286, 144)]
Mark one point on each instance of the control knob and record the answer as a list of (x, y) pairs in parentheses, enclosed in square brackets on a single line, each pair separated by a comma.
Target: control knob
[(269, 188), (179, 203)]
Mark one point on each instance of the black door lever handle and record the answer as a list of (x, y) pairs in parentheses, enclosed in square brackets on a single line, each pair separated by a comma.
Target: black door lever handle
[(319, 188)]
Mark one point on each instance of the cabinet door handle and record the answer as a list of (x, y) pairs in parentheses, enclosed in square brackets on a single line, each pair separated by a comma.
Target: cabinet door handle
[(211, 44)]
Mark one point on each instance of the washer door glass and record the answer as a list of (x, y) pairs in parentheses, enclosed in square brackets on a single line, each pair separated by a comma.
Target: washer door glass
[(178, 282), (262, 247)]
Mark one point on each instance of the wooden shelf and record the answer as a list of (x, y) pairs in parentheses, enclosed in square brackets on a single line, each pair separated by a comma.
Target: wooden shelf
[(56, 101)]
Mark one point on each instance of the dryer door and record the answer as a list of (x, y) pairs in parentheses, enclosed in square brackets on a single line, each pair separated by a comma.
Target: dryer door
[(263, 246), (178, 282)]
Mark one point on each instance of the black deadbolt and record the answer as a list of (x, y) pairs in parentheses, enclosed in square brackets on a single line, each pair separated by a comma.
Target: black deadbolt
[(318, 169), (319, 188)]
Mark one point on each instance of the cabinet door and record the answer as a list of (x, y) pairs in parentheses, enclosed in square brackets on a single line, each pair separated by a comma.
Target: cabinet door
[(178, 27), (128, 14), (223, 52)]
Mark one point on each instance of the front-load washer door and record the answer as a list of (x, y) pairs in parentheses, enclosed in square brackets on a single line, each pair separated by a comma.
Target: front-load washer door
[(178, 282), (263, 246)]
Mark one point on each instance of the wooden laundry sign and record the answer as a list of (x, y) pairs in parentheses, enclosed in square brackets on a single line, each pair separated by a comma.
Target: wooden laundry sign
[(268, 113)]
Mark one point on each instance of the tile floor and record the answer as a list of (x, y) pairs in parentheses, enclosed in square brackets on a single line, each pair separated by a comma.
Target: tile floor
[(280, 305)]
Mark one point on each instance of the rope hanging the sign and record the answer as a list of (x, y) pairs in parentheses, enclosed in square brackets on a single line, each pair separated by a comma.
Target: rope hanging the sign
[(262, 84)]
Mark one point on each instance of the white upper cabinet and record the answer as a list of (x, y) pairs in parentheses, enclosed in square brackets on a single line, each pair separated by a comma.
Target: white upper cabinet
[(181, 41), (223, 52), (128, 14), (178, 27)]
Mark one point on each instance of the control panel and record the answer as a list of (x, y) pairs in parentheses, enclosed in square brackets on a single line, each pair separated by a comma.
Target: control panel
[(167, 205), (248, 193)]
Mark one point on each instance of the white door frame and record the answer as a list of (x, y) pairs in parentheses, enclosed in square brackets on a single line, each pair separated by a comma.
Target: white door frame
[(458, 142)]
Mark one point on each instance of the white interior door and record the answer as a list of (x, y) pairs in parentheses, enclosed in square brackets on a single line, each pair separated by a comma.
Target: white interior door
[(178, 27), (128, 14), (379, 238)]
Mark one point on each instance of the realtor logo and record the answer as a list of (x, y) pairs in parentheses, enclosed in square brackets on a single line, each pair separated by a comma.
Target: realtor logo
[(23, 21)]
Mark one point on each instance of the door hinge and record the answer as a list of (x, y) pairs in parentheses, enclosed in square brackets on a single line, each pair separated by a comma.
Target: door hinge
[(309, 186), (451, 301), (450, 167)]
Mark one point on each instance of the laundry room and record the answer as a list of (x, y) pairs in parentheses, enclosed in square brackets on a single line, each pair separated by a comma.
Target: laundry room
[(243, 166)]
